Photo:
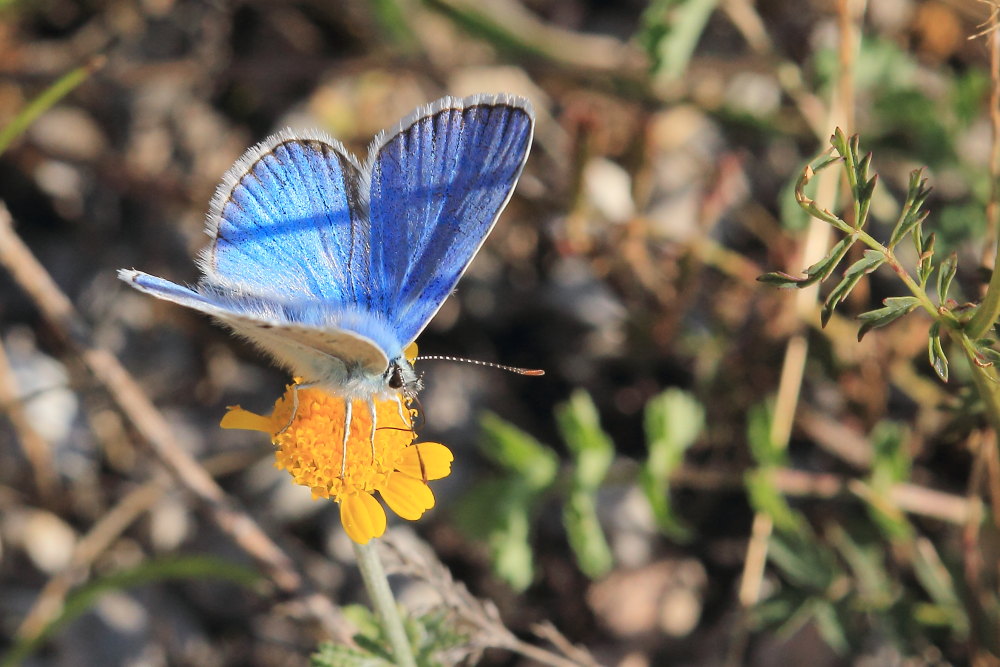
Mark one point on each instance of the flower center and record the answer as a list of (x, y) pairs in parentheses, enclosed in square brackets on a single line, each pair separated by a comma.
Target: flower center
[(338, 448)]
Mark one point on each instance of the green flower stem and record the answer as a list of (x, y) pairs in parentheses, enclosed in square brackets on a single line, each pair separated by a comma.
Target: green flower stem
[(377, 585), (989, 309), (986, 381)]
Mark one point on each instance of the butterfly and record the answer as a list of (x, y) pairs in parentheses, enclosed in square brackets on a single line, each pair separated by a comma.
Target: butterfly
[(332, 266)]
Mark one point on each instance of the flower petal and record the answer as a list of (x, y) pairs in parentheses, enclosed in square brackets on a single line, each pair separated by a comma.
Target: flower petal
[(237, 417), (426, 461), (407, 496), (363, 517)]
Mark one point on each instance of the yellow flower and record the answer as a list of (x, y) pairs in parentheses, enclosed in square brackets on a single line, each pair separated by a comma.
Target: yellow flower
[(341, 450)]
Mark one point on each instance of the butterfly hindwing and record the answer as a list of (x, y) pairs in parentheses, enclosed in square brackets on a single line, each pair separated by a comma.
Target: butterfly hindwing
[(289, 342), (435, 189)]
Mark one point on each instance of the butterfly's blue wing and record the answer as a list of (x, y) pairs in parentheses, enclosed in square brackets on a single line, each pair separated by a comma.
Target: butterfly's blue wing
[(436, 187), (289, 333), (289, 247), (287, 223)]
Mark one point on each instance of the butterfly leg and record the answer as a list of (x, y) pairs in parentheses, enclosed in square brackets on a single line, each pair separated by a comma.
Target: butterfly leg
[(295, 405), (374, 414), (348, 410)]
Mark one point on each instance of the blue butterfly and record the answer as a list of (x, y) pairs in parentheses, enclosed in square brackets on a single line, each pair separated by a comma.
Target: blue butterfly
[(332, 266)]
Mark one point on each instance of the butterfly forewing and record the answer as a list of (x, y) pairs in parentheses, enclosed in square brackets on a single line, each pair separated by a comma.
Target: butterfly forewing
[(285, 223), (437, 187)]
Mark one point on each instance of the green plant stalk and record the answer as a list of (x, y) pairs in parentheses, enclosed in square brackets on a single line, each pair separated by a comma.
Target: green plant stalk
[(43, 102), (986, 381), (989, 310), (377, 585)]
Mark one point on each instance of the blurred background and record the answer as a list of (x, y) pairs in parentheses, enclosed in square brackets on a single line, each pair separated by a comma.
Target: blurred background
[(639, 497)]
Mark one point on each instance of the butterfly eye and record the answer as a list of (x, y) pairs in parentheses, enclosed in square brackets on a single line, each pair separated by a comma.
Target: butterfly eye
[(396, 377)]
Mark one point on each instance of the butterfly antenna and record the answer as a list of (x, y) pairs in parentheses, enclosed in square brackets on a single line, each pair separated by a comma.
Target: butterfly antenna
[(488, 364)]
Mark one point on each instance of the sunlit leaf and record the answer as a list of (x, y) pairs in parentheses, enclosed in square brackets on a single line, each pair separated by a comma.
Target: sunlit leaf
[(911, 214), (946, 273), (764, 449), (871, 260), (895, 307), (673, 420), (935, 351), (586, 537), (592, 449), (518, 451)]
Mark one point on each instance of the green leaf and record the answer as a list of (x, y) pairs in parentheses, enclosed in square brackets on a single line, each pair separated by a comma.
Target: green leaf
[(391, 17), (946, 273), (935, 351), (804, 560), (862, 187), (939, 583), (822, 269), (592, 449), (911, 214), (865, 196), (818, 272), (765, 451), (875, 586), (891, 460), (673, 421), (830, 625), (985, 348), (339, 655), (871, 260), (895, 307), (840, 143), (513, 559), (783, 280), (765, 497), (593, 453), (669, 33), (885, 513), (518, 452), (657, 492), (586, 538), (499, 512), (926, 264), (64, 86)]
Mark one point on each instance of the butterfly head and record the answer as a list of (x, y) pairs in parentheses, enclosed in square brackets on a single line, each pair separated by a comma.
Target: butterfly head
[(401, 377)]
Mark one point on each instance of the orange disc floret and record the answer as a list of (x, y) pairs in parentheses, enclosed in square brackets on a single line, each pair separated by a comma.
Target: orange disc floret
[(348, 450)]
